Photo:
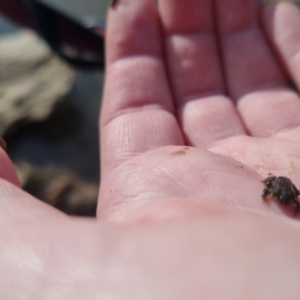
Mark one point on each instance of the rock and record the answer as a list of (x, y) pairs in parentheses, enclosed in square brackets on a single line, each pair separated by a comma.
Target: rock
[(60, 187), (33, 80)]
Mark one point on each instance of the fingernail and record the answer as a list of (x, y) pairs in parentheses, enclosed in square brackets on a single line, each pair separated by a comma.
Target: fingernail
[(114, 3), (3, 144)]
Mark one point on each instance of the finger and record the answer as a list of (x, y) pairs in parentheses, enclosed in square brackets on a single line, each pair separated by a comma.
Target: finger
[(16, 204), (254, 77), (206, 115), (7, 171), (282, 25), (137, 113)]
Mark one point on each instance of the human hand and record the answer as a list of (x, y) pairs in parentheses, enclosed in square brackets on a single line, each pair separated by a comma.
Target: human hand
[(181, 166), (228, 118)]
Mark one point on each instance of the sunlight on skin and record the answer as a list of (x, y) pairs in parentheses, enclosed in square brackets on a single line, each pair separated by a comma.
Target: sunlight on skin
[(180, 213)]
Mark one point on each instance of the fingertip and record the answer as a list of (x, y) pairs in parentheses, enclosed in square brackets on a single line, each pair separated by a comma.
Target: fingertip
[(133, 29), (7, 171), (282, 23), (189, 16), (234, 16), (284, 13)]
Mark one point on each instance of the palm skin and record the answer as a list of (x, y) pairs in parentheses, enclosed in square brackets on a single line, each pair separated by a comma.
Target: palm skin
[(250, 117), (196, 112)]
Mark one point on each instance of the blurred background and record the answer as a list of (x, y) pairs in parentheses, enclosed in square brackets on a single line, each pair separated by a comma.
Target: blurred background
[(49, 111), (79, 9)]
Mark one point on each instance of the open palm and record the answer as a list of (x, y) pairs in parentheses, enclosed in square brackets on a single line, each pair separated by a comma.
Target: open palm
[(217, 85), (197, 110)]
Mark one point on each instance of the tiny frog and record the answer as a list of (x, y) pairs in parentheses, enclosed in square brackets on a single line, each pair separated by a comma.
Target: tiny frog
[(282, 190)]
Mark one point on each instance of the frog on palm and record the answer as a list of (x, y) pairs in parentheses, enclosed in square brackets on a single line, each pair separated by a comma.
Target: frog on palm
[(282, 190)]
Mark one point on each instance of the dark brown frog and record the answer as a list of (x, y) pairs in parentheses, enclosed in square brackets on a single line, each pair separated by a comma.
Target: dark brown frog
[(282, 190)]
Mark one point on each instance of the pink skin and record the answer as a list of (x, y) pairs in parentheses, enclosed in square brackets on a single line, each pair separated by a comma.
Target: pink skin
[(188, 130)]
